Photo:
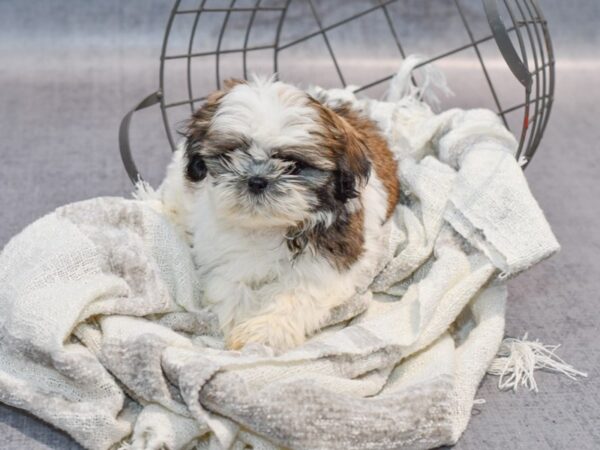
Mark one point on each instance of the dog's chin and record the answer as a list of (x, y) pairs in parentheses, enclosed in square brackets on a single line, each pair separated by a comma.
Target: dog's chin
[(260, 217), (257, 221)]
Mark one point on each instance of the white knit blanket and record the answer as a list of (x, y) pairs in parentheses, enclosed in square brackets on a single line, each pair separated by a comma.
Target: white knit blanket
[(102, 333)]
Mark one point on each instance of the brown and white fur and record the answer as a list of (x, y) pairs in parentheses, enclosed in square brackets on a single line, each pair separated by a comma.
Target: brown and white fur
[(283, 199)]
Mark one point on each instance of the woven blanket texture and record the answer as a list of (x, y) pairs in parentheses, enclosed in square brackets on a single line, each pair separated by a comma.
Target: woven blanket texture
[(103, 335)]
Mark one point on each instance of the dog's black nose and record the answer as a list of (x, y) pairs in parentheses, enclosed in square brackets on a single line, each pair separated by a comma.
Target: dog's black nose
[(257, 184)]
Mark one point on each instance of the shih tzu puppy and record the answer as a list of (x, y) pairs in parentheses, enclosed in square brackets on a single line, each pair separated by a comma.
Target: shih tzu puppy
[(283, 198)]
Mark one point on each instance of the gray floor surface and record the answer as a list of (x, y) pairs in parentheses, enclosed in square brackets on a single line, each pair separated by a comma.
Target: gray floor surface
[(69, 70)]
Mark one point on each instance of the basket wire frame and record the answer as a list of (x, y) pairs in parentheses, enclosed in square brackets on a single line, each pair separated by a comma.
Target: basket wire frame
[(531, 60)]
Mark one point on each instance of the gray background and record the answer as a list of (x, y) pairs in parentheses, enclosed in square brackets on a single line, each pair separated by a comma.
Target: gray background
[(70, 69)]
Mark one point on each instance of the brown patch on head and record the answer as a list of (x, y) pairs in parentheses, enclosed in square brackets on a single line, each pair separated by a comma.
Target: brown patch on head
[(197, 128)]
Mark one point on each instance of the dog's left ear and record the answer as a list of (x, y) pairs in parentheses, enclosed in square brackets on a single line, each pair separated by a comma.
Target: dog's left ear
[(349, 150), (353, 164)]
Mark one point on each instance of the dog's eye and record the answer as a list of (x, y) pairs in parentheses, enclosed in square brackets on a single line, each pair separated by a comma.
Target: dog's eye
[(196, 168)]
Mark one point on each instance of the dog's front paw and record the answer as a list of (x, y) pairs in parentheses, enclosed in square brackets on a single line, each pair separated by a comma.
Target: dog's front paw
[(278, 333)]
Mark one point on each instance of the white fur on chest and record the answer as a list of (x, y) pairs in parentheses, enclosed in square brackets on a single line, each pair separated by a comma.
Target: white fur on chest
[(243, 270)]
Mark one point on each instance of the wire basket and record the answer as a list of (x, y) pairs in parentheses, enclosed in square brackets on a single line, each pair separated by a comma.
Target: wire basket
[(504, 42)]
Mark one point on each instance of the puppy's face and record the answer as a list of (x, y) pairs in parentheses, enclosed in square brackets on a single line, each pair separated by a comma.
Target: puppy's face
[(274, 157)]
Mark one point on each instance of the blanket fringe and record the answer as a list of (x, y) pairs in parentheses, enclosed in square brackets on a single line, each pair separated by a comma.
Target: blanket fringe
[(403, 87), (518, 359)]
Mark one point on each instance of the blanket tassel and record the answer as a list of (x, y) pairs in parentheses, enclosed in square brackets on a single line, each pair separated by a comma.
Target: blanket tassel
[(518, 359)]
